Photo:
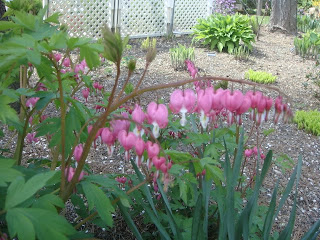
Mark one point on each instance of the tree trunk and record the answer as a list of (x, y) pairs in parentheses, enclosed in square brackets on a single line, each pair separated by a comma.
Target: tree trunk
[(284, 15), (259, 7), (2, 11)]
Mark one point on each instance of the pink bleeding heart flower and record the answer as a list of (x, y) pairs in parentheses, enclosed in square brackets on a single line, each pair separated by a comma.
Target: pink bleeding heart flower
[(183, 102), (165, 167), (122, 180), (66, 62), (31, 102), (158, 161), (127, 140), (269, 102), (97, 137), (216, 99), (70, 171), (84, 63), (97, 108), (245, 106), (261, 108), (153, 150), (204, 103), (30, 120), (31, 138), (108, 138), (140, 146), (78, 152), (95, 85), (138, 116), (57, 57), (63, 71), (79, 68), (279, 106), (248, 152), (85, 93), (118, 125), (157, 116), (191, 68), (41, 87)]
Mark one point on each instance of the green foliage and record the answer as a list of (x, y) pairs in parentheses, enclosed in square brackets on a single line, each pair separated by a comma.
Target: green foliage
[(241, 53), (224, 32), (148, 43), (260, 76), (307, 23), (28, 6), (308, 120), (179, 55), (308, 45)]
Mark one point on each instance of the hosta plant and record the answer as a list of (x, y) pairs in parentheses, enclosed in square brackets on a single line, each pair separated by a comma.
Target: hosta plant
[(224, 32)]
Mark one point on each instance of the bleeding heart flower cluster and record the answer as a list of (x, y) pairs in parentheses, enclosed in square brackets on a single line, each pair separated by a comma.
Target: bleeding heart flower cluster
[(210, 103), (157, 115), (254, 153)]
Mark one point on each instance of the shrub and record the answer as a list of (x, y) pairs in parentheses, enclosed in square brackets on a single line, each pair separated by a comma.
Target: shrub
[(308, 120), (308, 46), (260, 76), (224, 32), (179, 55)]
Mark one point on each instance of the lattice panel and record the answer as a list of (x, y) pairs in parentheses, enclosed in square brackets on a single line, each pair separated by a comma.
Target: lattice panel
[(84, 18), (142, 18), (186, 14)]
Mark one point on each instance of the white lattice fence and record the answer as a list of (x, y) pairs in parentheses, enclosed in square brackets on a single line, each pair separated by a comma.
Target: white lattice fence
[(84, 18), (137, 18), (187, 12), (141, 18)]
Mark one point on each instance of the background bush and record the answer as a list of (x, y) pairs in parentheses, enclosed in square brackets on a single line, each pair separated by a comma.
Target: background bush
[(224, 32)]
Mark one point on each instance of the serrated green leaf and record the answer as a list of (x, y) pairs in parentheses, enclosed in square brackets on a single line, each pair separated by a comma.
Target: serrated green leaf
[(46, 224), (6, 25), (48, 202), (6, 112), (7, 173), (91, 55), (97, 198), (54, 18), (20, 191)]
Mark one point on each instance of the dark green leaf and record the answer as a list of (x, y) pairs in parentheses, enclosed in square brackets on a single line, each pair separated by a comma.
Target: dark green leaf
[(20, 191), (47, 225), (97, 198)]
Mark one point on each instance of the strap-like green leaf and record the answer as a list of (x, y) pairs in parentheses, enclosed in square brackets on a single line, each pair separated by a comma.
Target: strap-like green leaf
[(129, 221)]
